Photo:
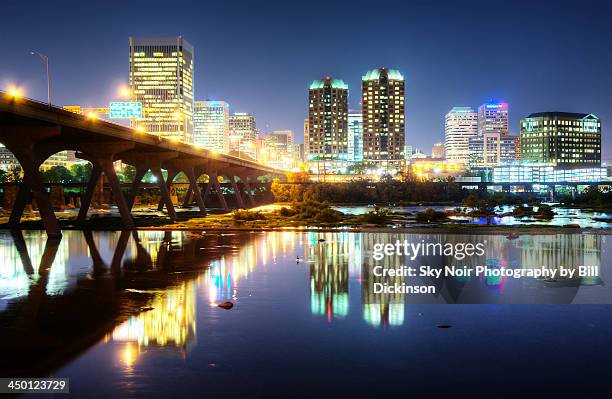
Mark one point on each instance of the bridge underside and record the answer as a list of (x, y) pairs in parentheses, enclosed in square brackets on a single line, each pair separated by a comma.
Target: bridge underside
[(34, 132)]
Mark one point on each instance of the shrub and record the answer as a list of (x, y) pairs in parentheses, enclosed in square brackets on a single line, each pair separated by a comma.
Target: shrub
[(328, 215), (430, 216), (245, 216), (286, 212), (377, 216)]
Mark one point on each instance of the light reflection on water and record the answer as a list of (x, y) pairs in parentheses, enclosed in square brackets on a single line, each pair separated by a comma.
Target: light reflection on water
[(564, 216), (277, 280)]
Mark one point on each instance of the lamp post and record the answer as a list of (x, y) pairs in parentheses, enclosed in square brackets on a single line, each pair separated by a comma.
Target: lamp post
[(46, 61)]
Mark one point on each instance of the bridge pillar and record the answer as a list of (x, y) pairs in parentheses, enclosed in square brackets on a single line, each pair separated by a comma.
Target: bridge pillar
[(140, 172), (96, 172), (165, 191), (22, 142), (237, 193), (144, 161), (21, 199), (103, 155), (193, 187), (215, 182), (249, 192), (189, 167)]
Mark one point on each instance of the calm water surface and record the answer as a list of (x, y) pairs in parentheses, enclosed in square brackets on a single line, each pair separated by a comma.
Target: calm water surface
[(307, 328), (581, 217)]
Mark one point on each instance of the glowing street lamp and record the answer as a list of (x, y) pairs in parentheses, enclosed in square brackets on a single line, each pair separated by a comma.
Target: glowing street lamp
[(15, 92), (45, 59)]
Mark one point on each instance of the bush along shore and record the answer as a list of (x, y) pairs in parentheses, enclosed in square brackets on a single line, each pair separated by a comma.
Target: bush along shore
[(320, 215)]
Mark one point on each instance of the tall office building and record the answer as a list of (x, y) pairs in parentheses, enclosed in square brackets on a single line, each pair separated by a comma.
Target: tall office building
[(561, 138), (437, 151), (283, 136), (492, 149), (211, 125), (355, 137), (328, 122), (161, 78), (382, 97), (243, 132), (460, 124), (493, 118)]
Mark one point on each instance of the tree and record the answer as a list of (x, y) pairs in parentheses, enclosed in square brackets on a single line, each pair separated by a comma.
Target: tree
[(81, 172), (57, 174), (3, 176), (15, 174)]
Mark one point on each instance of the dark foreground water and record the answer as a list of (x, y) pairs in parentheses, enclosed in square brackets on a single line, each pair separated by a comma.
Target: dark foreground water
[(126, 315)]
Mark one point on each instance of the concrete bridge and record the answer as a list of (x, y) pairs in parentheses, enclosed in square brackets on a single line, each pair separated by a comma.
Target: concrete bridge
[(34, 131)]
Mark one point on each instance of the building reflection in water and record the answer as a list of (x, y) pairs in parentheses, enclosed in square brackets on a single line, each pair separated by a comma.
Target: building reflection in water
[(329, 273), (34, 269), (169, 321), (381, 309)]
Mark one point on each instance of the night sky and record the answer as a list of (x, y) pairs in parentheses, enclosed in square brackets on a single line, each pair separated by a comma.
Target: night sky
[(261, 56)]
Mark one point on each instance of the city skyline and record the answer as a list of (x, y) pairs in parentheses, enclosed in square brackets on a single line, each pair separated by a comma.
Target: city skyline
[(279, 79)]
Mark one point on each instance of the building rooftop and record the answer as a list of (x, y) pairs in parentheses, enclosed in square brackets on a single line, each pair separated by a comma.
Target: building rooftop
[(374, 74), (568, 115), (335, 83)]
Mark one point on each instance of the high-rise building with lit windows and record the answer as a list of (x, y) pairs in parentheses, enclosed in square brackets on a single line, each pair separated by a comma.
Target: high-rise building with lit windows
[(382, 98), (561, 138), (355, 137), (212, 125), (161, 78), (493, 118), (460, 124), (328, 123), (243, 132)]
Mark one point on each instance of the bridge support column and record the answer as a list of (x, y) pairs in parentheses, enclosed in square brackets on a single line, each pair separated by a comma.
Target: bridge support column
[(109, 171), (193, 187), (237, 193), (215, 181), (187, 200), (249, 192), (23, 142), (19, 205), (172, 172), (140, 172), (102, 156), (165, 192), (33, 179), (96, 172)]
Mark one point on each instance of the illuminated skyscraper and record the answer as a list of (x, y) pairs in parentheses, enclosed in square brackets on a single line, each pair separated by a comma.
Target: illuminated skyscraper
[(328, 122), (461, 124), (382, 92), (561, 138), (243, 132), (493, 118), (355, 137), (211, 125), (161, 78)]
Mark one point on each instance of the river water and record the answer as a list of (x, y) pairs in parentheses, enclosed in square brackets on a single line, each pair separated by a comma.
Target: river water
[(128, 315)]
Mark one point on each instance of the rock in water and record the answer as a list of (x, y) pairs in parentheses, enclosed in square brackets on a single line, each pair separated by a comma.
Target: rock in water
[(226, 305)]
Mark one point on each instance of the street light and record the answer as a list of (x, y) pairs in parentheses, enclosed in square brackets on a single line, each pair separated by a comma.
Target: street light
[(46, 61)]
